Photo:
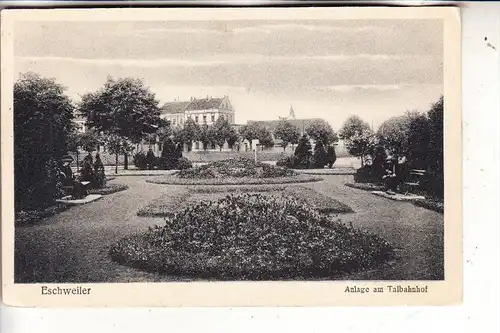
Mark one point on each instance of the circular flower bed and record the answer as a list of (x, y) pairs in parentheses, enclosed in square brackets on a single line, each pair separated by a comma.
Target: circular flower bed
[(237, 168), (236, 171), (252, 237)]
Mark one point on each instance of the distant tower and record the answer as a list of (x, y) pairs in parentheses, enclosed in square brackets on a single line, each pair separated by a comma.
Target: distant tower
[(291, 115)]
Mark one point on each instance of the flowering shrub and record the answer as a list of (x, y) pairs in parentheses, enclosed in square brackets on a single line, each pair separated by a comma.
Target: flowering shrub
[(236, 167), (109, 189), (183, 163), (212, 180), (287, 161), (252, 236)]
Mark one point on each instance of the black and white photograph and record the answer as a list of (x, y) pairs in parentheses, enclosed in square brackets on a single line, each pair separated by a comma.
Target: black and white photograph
[(230, 150)]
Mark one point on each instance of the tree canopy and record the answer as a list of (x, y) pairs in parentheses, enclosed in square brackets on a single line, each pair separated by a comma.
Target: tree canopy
[(43, 122), (358, 136), (123, 107), (256, 130), (221, 131), (320, 130), (190, 132), (287, 133)]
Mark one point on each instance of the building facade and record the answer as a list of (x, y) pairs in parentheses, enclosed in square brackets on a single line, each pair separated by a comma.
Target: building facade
[(202, 111)]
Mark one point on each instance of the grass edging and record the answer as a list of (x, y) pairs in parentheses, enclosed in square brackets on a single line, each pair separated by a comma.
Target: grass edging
[(109, 189), (366, 186), (23, 218), (430, 204)]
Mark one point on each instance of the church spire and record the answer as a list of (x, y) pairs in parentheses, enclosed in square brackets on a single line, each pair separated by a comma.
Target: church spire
[(292, 113)]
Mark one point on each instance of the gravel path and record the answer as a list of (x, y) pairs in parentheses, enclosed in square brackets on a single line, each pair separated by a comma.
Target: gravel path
[(72, 246)]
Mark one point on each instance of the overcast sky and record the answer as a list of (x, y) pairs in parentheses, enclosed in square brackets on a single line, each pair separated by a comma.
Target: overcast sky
[(328, 69)]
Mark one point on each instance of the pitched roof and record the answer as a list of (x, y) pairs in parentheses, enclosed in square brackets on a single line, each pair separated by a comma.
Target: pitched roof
[(204, 104), (174, 107)]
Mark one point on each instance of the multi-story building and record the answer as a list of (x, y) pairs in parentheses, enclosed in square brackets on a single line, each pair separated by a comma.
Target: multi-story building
[(202, 111)]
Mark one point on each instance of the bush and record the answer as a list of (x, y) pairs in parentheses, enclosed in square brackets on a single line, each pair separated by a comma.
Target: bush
[(169, 156), (183, 163), (235, 168), (331, 156), (320, 157), (140, 161), (252, 237), (303, 153), (287, 161), (366, 174)]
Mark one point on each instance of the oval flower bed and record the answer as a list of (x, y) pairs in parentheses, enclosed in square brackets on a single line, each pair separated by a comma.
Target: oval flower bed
[(236, 171), (252, 237)]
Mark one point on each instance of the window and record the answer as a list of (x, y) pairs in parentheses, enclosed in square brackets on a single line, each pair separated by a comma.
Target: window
[(173, 121), (196, 119), (182, 121), (204, 118), (213, 118), (197, 144)]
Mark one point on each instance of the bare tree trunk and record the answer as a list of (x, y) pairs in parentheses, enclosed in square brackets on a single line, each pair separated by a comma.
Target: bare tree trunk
[(77, 160), (116, 163)]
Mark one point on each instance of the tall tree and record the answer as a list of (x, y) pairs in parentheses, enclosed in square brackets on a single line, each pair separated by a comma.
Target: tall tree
[(250, 132), (164, 130), (287, 132), (358, 137), (233, 137), (89, 141), (265, 137), (257, 131), (206, 135), (320, 130), (393, 133), (403, 134), (122, 107), (435, 152), (43, 122), (74, 146), (190, 132), (221, 130)]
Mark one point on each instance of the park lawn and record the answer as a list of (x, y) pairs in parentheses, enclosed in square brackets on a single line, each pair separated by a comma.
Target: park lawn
[(168, 205)]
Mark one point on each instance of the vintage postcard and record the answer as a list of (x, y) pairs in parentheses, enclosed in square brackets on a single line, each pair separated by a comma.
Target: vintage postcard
[(231, 157)]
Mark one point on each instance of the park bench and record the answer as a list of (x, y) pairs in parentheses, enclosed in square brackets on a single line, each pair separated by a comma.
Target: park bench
[(414, 180), (71, 184)]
